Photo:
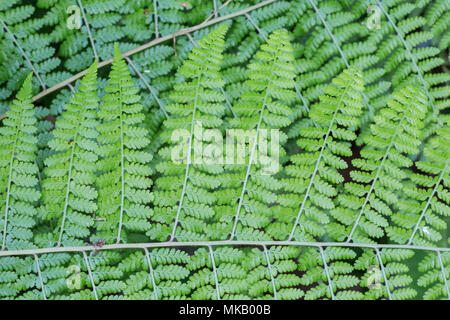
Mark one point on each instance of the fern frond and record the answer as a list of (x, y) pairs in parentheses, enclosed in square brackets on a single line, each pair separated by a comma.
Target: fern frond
[(386, 274), (364, 206), (264, 109), (438, 19), (123, 186), (436, 276), (408, 58), (331, 156), (69, 193), (18, 172), (185, 192), (271, 273), (313, 177), (328, 274)]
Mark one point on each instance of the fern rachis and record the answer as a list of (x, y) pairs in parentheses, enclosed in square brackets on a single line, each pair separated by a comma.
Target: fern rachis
[(360, 166)]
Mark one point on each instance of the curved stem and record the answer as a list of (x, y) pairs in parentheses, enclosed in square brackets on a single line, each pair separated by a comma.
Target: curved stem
[(316, 168), (384, 273), (188, 160), (155, 9), (122, 170), (444, 274)]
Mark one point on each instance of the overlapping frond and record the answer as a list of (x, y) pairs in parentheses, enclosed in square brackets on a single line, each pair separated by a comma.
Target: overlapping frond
[(124, 183), (422, 214), (312, 177), (364, 207), (436, 276)]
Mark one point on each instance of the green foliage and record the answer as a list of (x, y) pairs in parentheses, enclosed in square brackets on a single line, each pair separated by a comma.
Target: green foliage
[(184, 192), (18, 172), (264, 108), (392, 268), (124, 180), (358, 117), (329, 272), (365, 203), (25, 46), (313, 177), (438, 19), (69, 195), (432, 278), (422, 214)]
